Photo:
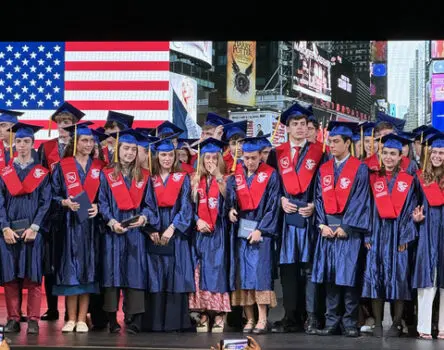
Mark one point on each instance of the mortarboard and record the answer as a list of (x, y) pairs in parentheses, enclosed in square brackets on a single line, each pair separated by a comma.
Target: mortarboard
[(237, 128), (128, 136), (124, 120), (145, 131), (396, 122), (22, 130), (165, 144), (342, 128), (101, 130), (436, 140), (65, 107), (99, 136), (167, 128), (9, 116), (181, 142), (425, 132), (215, 120), (294, 111), (408, 135), (210, 145), (394, 141), (253, 144), (145, 140)]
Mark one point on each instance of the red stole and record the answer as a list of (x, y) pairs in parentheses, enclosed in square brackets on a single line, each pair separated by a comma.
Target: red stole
[(295, 182), (167, 195), (405, 162), (51, 149), (72, 178), (432, 191), (372, 162), (208, 206), (187, 168), (390, 205), (335, 197), (249, 198), (126, 199), (3, 156), (228, 160), (30, 182), (105, 151)]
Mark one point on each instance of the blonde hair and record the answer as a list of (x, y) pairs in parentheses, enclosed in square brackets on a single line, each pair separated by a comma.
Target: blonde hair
[(203, 172)]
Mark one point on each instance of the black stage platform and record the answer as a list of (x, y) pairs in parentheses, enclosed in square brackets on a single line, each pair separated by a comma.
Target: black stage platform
[(51, 337)]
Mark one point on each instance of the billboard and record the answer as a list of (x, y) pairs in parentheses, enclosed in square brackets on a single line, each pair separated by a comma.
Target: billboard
[(437, 87), (378, 51), (241, 73), (311, 70), (437, 49), (343, 81), (438, 115), (202, 50)]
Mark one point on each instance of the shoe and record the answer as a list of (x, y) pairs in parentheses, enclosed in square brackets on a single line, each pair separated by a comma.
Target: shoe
[(23, 318), (394, 331), (312, 326), (284, 327), (114, 326), (82, 327), (135, 325), (50, 315), (12, 327), (264, 330), (377, 331), (69, 327), (351, 332), (128, 319), (33, 327), (248, 328), (218, 327), (203, 325), (328, 331)]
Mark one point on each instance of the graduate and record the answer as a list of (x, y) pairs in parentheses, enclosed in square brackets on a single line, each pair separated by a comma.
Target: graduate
[(253, 194), (122, 189), (77, 244), (428, 274), (297, 162), (7, 119), (115, 121), (167, 206), (342, 207), (312, 128), (210, 240), (25, 197), (185, 152), (387, 275), (233, 132), (214, 126), (144, 149), (421, 135)]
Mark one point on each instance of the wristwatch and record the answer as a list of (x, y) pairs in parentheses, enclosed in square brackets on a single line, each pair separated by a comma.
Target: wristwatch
[(321, 226), (219, 180)]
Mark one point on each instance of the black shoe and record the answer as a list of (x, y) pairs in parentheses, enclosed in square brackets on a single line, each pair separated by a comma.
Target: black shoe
[(328, 331), (284, 327), (394, 331), (23, 318), (351, 332), (33, 327), (50, 315), (377, 331), (260, 330), (114, 326), (128, 319), (134, 326), (312, 326), (12, 327)]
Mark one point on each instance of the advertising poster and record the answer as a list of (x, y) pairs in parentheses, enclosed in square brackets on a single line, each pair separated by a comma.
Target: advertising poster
[(241, 73), (202, 50), (437, 49), (437, 87)]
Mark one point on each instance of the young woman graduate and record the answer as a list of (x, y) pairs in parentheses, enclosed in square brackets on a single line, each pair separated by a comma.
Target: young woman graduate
[(168, 208), (25, 197), (122, 188), (210, 240), (77, 175)]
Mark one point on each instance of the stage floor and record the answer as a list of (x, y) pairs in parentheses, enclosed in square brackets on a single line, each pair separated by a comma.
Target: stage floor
[(51, 337)]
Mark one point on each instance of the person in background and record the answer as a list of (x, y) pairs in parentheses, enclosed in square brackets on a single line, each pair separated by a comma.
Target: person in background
[(267, 147), (7, 119), (312, 129), (186, 154), (214, 126), (233, 133), (115, 122)]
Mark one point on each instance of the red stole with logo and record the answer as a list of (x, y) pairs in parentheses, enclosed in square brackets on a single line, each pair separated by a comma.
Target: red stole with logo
[(295, 182), (208, 206), (72, 178), (249, 198), (432, 191), (51, 149), (228, 160), (167, 195), (335, 197), (126, 199), (390, 205), (30, 182)]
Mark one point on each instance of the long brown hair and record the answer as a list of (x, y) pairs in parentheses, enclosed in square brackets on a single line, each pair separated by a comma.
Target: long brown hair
[(135, 170), (383, 171), (156, 165), (69, 150), (203, 172), (431, 173)]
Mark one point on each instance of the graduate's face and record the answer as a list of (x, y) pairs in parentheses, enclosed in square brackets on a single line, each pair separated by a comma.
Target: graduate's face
[(4, 133), (368, 145), (142, 154), (265, 153), (127, 152), (210, 159), (166, 160), (337, 145), (252, 160), (85, 144), (111, 140), (207, 133), (232, 145), (384, 132), (183, 155), (418, 148), (391, 157), (24, 145), (357, 145), (437, 157), (405, 150), (311, 132), (297, 128), (64, 122)]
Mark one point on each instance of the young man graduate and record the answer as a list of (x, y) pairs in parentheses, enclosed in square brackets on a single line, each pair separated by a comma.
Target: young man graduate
[(7, 119), (115, 121)]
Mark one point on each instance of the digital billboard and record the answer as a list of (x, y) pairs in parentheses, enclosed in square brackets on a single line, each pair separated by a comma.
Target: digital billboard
[(343, 81), (437, 49), (437, 87), (378, 51), (202, 50)]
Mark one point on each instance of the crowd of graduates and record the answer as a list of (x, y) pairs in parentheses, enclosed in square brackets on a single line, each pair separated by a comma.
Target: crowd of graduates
[(206, 226)]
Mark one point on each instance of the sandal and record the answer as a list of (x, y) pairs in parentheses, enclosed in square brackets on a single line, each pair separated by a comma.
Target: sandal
[(219, 324), (440, 335), (248, 328), (203, 325), (263, 330), (428, 336)]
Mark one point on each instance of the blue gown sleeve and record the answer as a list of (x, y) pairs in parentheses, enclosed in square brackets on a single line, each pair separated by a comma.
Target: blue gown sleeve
[(42, 156), (58, 188), (104, 201), (407, 227), (150, 209), (183, 218), (4, 219), (318, 203), (269, 222), (44, 201)]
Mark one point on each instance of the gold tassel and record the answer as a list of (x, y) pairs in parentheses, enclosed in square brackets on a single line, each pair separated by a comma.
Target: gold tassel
[(198, 158), (324, 138), (352, 146), (425, 155), (422, 134), (149, 159), (75, 141), (11, 153), (49, 126), (233, 167), (380, 153), (362, 142), (116, 148), (372, 144), (276, 129)]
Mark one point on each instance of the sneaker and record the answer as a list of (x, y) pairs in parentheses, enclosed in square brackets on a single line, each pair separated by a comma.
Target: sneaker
[(69, 327), (12, 327), (33, 327), (82, 327)]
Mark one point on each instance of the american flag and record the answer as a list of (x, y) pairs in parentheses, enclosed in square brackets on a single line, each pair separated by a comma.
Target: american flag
[(129, 77)]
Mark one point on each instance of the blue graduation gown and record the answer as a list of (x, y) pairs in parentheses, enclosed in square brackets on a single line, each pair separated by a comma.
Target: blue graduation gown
[(76, 245), (430, 249), (123, 256), (211, 252), (173, 274), (388, 273), (337, 260), (22, 259), (252, 264)]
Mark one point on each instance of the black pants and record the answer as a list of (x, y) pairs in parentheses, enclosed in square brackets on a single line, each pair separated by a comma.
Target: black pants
[(342, 306), (51, 300), (134, 300), (99, 318)]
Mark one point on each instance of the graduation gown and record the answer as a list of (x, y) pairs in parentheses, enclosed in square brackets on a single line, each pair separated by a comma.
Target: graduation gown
[(211, 251), (251, 265), (171, 273), (22, 259), (338, 260), (388, 272), (123, 256), (76, 244)]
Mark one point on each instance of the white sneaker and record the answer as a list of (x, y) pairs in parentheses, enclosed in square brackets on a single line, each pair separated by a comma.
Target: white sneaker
[(81, 327), (69, 327)]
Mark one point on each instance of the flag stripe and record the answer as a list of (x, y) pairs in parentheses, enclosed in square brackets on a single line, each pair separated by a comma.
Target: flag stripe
[(115, 56), (116, 76), (117, 85), (115, 105), (97, 115), (97, 123), (82, 95), (121, 66), (118, 46)]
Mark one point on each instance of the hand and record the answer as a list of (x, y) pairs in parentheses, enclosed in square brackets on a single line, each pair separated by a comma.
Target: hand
[(327, 232), (155, 237), (213, 169), (368, 246), (29, 235), (232, 215), (70, 204), (10, 236), (340, 233), (202, 226), (92, 212), (166, 236), (138, 223), (117, 228), (307, 211), (4, 345), (402, 247), (218, 132), (254, 237), (216, 348), (287, 206), (418, 214), (252, 344)]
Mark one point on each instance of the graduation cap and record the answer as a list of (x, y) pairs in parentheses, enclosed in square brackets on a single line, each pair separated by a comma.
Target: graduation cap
[(408, 135), (436, 140), (237, 128), (425, 132), (9, 116), (396, 122), (181, 142), (79, 129), (22, 130), (215, 120), (165, 144), (210, 145), (356, 137), (145, 131), (394, 141), (99, 136), (346, 129), (294, 111), (167, 128), (420, 129), (253, 144), (101, 130), (65, 107), (145, 140), (265, 141), (125, 121)]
